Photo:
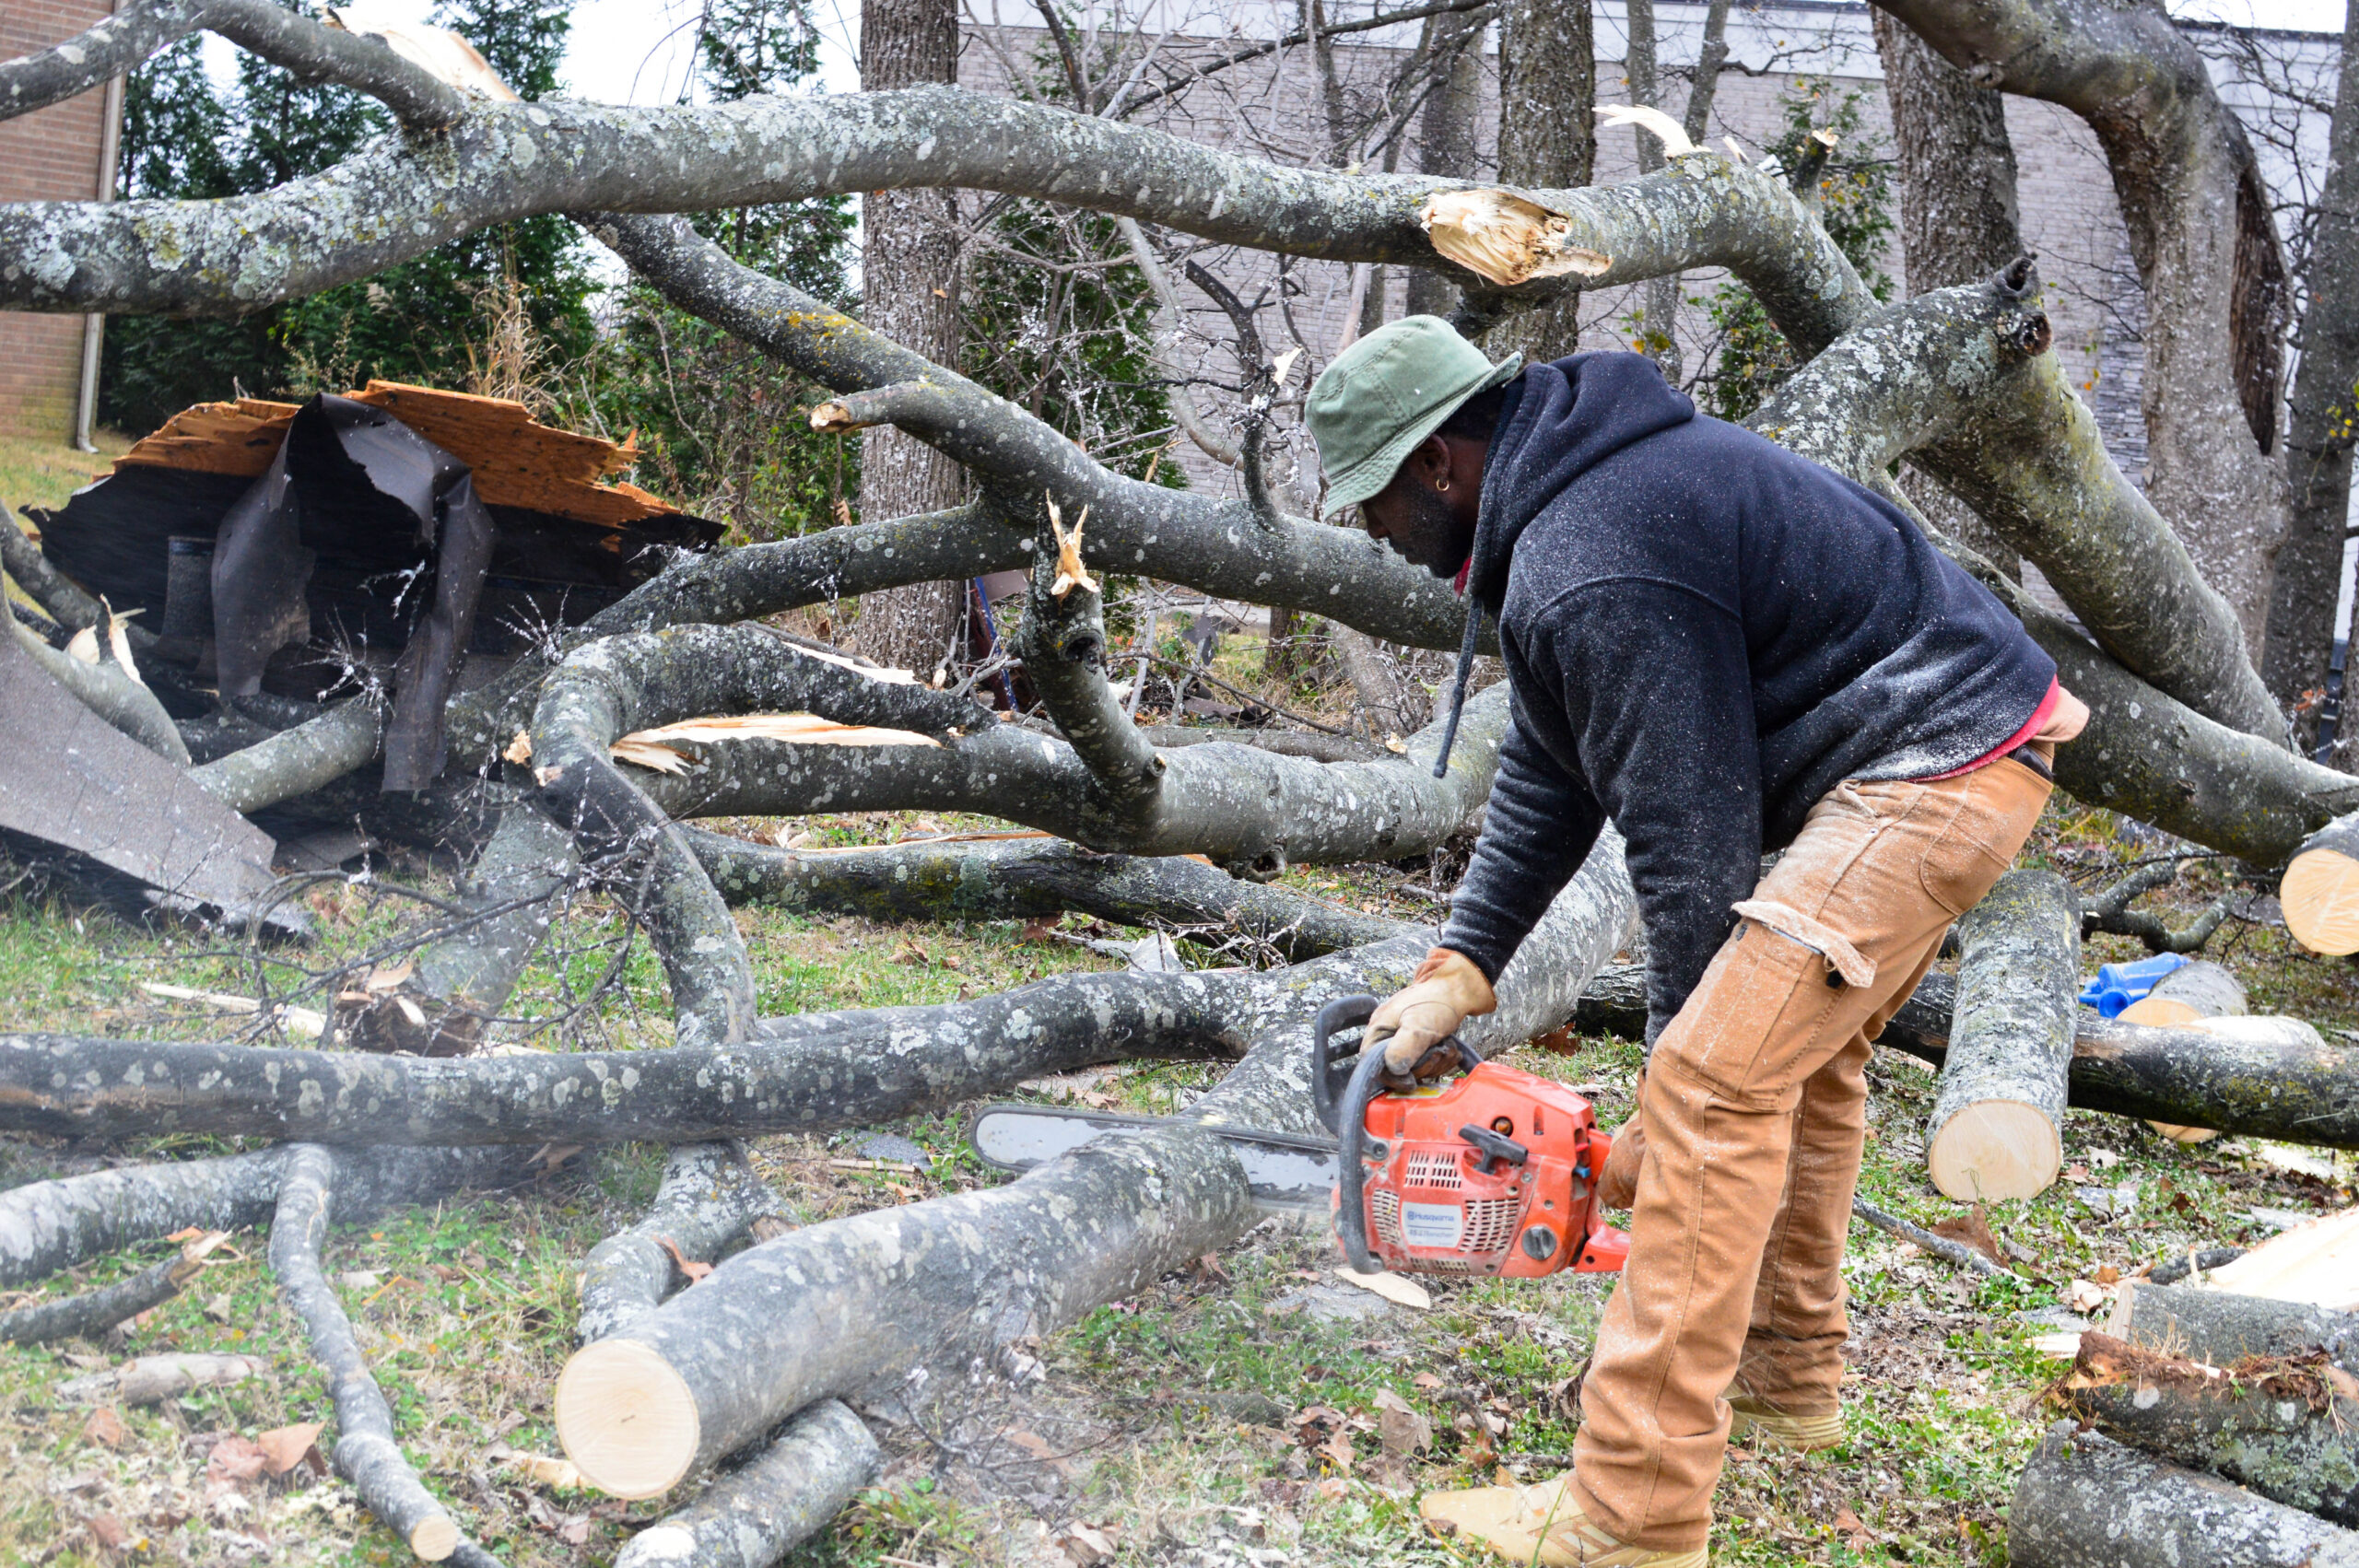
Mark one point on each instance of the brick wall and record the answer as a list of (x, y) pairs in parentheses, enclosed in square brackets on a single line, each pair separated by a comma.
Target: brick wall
[(49, 155)]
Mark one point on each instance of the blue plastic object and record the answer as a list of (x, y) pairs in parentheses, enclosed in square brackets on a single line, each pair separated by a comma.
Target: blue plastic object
[(2118, 984)]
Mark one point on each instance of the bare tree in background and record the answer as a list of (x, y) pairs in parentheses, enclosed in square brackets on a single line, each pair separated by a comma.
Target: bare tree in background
[(1547, 140), (1447, 136), (1958, 209), (2318, 438), (909, 292)]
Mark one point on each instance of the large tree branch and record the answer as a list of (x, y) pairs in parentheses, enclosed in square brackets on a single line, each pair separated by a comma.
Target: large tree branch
[(2205, 239), (1962, 381), (140, 29)]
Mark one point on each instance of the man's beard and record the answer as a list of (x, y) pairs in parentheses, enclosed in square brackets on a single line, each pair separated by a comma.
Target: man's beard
[(1432, 537)]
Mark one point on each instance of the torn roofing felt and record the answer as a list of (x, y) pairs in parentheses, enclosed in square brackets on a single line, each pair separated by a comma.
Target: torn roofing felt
[(284, 544)]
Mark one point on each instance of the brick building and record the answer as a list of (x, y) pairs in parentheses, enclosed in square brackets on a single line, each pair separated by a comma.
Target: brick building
[(64, 152)]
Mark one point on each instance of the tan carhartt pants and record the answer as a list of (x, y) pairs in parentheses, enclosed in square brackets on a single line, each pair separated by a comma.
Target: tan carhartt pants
[(1753, 1110)]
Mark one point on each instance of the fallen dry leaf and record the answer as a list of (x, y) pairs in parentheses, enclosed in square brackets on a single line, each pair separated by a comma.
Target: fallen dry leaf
[(2108, 1275), (520, 749), (104, 1427), (236, 1460), (1400, 1426), (108, 1531), (1972, 1229), (1339, 1452), (1086, 1545), (284, 1448)]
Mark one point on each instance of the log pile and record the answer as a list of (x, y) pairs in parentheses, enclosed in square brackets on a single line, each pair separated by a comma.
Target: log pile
[(2207, 1427)]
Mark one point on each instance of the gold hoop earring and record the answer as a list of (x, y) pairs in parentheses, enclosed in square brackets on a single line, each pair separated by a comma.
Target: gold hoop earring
[(1442, 483)]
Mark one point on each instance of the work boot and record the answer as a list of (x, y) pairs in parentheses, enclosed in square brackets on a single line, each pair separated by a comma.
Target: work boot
[(1539, 1525), (1806, 1435)]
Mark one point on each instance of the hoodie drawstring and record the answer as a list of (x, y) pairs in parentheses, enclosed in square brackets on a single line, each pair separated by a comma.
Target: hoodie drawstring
[(1457, 690)]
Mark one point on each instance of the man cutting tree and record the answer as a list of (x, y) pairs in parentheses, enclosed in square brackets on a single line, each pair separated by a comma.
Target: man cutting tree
[(1726, 649)]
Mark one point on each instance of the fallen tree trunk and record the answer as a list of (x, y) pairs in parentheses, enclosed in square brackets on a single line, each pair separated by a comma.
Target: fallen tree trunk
[(2273, 1423), (2294, 1088), (458, 983), (2086, 1502), (718, 1365), (852, 1071), (1240, 806), (92, 1313), (366, 1451), (1031, 878), (1997, 1127)]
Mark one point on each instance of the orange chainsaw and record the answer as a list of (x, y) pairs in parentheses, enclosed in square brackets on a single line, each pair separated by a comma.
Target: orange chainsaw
[(1489, 1173)]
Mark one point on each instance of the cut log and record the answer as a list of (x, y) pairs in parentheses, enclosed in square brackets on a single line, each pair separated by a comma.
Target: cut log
[(2086, 1502), (2316, 1263), (2222, 1328), (793, 1320), (753, 1516), (365, 1448), (2320, 889), (2199, 988), (2195, 991), (2276, 1424), (1996, 1131)]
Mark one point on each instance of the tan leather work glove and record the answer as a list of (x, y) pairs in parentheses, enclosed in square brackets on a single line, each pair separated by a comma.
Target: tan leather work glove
[(1446, 990)]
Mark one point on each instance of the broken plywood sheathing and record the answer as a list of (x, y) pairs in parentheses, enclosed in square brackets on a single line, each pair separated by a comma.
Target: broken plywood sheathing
[(76, 783)]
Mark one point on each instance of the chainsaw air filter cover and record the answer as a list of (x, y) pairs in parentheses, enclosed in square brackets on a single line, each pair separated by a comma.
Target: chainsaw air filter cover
[(1489, 1173)]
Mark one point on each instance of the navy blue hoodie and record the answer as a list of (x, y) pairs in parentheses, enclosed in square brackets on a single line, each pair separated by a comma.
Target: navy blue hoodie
[(1703, 635)]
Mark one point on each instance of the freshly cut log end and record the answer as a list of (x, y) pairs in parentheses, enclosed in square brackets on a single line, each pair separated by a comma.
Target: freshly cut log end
[(1995, 1150), (2320, 889), (1996, 1131), (2159, 1013), (436, 1538), (626, 1419)]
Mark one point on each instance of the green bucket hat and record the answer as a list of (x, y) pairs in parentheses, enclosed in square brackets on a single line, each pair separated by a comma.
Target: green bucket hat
[(1388, 392)]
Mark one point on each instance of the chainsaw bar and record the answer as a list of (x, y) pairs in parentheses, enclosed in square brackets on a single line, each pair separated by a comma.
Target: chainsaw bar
[(1287, 1172)]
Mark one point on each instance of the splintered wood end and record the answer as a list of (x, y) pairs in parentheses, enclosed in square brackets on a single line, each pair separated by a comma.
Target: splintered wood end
[(1505, 239)]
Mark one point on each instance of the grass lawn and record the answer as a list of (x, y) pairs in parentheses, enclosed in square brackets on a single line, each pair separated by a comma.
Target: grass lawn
[(1224, 1415)]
